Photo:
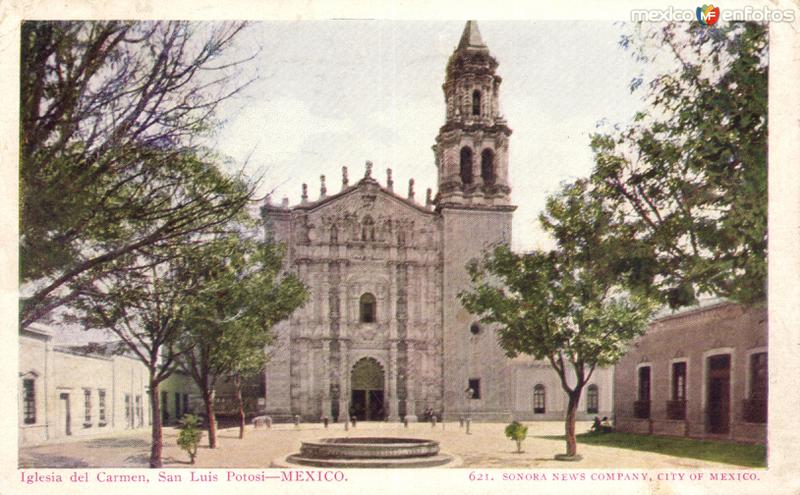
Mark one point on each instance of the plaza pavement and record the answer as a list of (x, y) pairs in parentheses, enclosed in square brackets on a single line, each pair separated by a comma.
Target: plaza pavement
[(485, 447)]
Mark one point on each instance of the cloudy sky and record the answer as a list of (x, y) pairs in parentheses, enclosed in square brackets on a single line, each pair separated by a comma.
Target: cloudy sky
[(337, 93)]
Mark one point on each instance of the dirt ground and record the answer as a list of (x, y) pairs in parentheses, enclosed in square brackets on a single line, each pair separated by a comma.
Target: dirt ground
[(486, 447)]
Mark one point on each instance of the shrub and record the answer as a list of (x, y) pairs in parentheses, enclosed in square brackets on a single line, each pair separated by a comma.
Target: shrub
[(518, 432), (190, 435)]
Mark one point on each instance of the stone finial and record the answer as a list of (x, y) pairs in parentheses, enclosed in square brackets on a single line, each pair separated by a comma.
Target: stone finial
[(285, 202), (304, 194), (368, 171), (345, 180), (389, 181), (411, 189), (323, 191), (428, 197)]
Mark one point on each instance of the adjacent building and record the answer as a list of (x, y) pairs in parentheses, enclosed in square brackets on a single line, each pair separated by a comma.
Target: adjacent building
[(69, 391), (701, 372)]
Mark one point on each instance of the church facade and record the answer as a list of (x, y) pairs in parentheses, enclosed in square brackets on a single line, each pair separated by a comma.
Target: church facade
[(383, 335)]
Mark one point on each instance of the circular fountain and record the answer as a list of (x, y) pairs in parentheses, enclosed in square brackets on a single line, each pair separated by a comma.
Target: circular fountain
[(368, 452)]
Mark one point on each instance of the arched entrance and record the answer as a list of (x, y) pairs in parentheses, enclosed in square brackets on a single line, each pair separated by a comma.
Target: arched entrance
[(366, 384)]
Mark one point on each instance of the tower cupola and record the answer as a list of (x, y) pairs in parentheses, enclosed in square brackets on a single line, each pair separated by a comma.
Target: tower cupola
[(471, 149)]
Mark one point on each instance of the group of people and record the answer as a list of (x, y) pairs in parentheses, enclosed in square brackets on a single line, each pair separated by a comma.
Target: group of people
[(429, 414), (601, 426)]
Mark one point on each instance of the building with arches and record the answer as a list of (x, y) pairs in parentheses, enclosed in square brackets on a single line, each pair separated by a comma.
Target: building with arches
[(383, 335)]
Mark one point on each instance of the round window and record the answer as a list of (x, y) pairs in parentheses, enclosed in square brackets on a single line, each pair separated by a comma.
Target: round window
[(475, 328)]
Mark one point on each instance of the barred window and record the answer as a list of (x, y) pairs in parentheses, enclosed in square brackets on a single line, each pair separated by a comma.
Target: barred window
[(758, 376), (101, 406), (128, 412), (592, 399), (538, 399), (679, 381), (87, 407), (139, 410), (29, 401)]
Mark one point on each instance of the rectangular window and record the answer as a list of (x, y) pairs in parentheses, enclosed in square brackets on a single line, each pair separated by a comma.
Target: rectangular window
[(29, 401), (128, 412), (644, 383), (178, 412), (101, 406), (758, 375), (755, 406), (87, 407), (185, 403), (539, 399), (139, 411), (164, 406), (641, 408), (592, 399), (679, 381), (474, 385), (676, 406)]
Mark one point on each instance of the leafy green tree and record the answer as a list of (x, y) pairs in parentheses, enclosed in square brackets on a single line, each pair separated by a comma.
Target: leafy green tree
[(565, 306), (190, 435), (111, 117), (145, 309), (687, 179), (244, 292), (517, 432)]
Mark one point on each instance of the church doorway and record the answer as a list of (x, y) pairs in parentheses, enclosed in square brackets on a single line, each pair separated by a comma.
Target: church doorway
[(366, 383)]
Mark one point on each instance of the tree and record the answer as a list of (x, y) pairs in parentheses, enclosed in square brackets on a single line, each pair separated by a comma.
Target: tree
[(145, 309), (687, 180), (111, 115), (190, 435), (243, 294), (566, 305), (518, 432)]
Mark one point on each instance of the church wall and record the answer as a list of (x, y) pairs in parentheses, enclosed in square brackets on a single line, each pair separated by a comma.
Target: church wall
[(465, 234)]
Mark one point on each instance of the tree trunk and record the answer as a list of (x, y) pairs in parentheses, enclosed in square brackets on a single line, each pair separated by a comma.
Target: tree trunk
[(157, 441), (237, 381), (208, 398), (569, 424)]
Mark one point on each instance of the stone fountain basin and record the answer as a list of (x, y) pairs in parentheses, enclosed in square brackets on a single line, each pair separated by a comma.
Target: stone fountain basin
[(369, 448)]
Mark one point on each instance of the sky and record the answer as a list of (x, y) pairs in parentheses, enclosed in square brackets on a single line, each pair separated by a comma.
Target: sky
[(338, 93)]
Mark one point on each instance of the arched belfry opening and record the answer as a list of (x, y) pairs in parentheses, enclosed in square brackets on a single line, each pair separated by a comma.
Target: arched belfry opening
[(487, 167), (366, 385), (466, 165), (476, 102)]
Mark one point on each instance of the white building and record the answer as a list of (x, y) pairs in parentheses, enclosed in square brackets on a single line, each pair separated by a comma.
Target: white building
[(68, 391)]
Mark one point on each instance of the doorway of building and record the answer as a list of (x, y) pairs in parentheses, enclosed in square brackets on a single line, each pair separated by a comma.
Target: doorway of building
[(366, 384), (718, 400), (65, 418)]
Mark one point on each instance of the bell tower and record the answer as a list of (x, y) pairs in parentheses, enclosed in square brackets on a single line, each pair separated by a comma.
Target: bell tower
[(476, 212), (471, 149)]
